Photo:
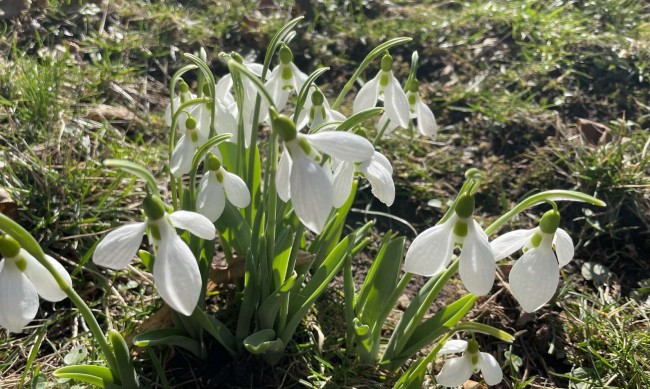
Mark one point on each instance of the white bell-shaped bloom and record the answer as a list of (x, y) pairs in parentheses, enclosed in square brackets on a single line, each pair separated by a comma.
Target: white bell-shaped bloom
[(384, 87), (418, 110), (175, 270), (431, 251), (456, 371), (22, 280), (377, 170), (316, 111), (215, 186), (300, 177), (181, 160), (250, 93), (534, 278), (284, 79)]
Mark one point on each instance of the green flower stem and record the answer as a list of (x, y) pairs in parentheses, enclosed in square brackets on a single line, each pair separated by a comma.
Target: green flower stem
[(539, 198), (177, 76), (372, 55), (422, 364), (424, 307), (381, 133), (205, 70)]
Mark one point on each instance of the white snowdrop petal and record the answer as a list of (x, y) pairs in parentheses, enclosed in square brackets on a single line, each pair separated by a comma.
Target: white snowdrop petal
[(534, 278), (225, 122), (342, 145), (168, 111), (510, 242), (395, 103), (236, 189), (282, 177), (119, 246), (43, 280), (367, 96), (385, 122), (455, 371), (222, 88), (18, 298), (176, 273), (431, 251), (380, 178), (211, 199), (489, 368), (476, 263), (342, 183), (195, 223), (299, 77), (563, 247), (181, 160), (255, 68), (427, 125), (453, 346), (311, 192)]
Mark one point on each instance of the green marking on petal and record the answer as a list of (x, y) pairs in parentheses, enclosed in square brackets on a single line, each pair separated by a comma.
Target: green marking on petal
[(536, 239), (383, 79), (287, 73), (154, 231), (461, 229), (21, 264)]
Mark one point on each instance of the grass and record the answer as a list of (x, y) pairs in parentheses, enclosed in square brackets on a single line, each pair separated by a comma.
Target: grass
[(506, 79)]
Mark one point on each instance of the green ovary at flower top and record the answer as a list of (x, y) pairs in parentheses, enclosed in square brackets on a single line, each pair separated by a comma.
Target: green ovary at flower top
[(431, 251), (535, 276), (457, 371), (22, 280), (175, 270)]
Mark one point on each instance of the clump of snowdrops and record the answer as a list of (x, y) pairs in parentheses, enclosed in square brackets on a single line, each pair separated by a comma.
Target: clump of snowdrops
[(282, 218)]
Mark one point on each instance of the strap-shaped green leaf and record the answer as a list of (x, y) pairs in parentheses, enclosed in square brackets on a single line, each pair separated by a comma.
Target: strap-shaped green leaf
[(128, 377), (269, 308), (94, 375), (217, 329), (168, 337), (435, 326)]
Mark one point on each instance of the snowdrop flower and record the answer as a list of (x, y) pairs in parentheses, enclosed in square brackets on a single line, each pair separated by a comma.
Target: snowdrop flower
[(316, 111), (426, 122), (181, 160), (249, 97), (22, 280), (377, 170), (535, 276), (384, 87), (431, 251), (301, 179), (456, 371), (217, 184), (285, 78), (175, 270)]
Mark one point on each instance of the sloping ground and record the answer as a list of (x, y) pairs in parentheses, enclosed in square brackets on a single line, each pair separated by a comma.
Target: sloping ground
[(538, 94)]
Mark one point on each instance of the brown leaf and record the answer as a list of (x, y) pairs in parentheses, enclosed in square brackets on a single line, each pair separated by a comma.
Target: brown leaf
[(593, 132), (8, 206)]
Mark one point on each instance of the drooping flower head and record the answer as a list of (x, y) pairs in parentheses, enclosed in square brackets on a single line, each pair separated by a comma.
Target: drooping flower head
[(183, 96), (216, 185), (194, 137), (175, 270), (316, 111), (535, 276), (384, 87), (431, 251), (300, 177), (418, 110), (456, 371), (285, 78), (22, 280)]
